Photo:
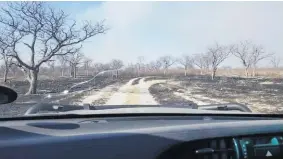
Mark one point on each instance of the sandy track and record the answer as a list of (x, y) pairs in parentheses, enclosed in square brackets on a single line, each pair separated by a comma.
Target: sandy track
[(104, 93), (134, 92), (137, 94), (120, 96)]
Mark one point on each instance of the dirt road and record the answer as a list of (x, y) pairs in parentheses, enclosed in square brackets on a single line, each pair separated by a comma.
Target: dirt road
[(134, 92), (131, 94)]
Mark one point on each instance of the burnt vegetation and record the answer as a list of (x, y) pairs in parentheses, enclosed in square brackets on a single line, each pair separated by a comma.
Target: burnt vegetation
[(164, 94)]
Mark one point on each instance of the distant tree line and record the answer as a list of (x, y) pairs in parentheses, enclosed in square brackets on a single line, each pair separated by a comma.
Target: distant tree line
[(247, 53)]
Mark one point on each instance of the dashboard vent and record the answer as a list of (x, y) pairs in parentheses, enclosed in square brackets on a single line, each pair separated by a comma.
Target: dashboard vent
[(215, 149)]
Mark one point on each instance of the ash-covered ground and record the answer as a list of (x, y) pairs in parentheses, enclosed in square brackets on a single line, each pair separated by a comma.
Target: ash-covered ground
[(262, 95), (51, 91)]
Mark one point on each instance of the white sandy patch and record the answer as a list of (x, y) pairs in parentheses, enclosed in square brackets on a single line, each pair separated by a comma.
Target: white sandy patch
[(119, 97), (146, 97), (218, 101), (134, 94), (267, 82), (191, 98), (196, 98), (96, 95), (203, 100)]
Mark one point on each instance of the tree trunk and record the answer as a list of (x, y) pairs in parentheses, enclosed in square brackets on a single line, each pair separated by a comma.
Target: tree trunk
[(254, 71), (33, 74), (5, 73), (185, 71), (138, 71), (53, 72), (213, 73), (247, 71), (75, 71), (165, 72), (201, 73), (71, 70), (62, 72), (117, 73)]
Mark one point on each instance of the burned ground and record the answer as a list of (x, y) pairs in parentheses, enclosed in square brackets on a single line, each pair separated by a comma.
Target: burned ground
[(47, 85), (261, 94), (163, 93), (55, 89)]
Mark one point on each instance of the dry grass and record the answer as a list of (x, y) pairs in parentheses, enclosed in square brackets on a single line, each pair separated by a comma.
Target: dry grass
[(238, 72), (263, 72)]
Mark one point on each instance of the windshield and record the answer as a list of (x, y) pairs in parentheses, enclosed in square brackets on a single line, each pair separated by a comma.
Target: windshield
[(142, 53)]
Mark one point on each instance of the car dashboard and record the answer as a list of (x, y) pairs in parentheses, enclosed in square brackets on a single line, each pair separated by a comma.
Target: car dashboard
[(144, 137)]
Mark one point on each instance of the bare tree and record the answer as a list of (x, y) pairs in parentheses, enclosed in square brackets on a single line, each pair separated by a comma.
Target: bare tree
[(98, 67), (166, 62), (105, 66), (74, 60), (257, 55), (4, 52), (202, 61), (87, 63), (51, 64), (187, 62), (155, 65), (116, 64), (130, 69), (7, 63), (63, 64), (217, 54), (140, 63), (275, 61), (45, 32), (243, 51), (14, 69)]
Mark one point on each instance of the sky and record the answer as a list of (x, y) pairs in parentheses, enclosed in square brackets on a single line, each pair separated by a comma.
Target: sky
[(154, 29)]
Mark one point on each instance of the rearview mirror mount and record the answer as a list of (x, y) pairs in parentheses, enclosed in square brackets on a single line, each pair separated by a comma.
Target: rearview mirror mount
[(7, 95)]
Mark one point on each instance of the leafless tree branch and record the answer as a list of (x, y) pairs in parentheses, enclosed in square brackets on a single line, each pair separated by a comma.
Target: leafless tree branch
[(275, 61)]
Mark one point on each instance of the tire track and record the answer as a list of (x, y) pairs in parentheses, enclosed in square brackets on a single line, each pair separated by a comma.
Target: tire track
[(99, 97), (137, 94), (119, 97)]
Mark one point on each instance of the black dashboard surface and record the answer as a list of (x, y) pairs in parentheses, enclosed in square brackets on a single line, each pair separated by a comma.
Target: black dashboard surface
[(120, 137)]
